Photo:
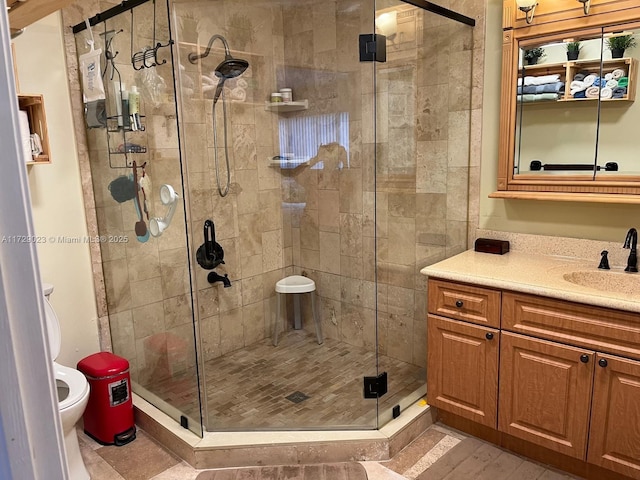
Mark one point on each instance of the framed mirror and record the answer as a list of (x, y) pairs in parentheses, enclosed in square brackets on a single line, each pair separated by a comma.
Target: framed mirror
[(568, 110)]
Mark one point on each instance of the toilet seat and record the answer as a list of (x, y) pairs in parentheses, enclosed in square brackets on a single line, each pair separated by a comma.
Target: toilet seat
[(75, 381)]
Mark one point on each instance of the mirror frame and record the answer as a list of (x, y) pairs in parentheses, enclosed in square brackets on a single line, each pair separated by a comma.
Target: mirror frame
[(554, 20)]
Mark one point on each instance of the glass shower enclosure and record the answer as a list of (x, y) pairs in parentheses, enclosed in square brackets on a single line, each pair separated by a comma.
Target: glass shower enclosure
[(223, 190)]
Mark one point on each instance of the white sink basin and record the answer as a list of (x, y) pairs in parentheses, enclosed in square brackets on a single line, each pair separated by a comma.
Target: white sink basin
[(606, 281)]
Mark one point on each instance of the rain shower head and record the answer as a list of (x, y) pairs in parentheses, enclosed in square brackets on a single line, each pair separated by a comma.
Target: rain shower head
[(231, 68)]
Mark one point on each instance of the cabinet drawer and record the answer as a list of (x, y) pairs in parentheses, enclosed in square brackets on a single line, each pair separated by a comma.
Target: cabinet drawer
[(610, 331), (464, 302)]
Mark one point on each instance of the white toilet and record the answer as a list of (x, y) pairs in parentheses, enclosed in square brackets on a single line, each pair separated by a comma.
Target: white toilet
[(73, 393)]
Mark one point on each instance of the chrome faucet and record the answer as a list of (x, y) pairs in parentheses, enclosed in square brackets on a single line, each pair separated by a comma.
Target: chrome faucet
[(631, 242)]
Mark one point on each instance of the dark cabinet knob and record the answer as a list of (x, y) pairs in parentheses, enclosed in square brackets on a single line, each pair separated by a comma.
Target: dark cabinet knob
[(603, 362), (489, 336), (584, 358), (459, 303)]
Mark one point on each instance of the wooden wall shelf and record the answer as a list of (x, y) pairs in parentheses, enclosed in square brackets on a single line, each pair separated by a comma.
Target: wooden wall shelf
[(33, 104)]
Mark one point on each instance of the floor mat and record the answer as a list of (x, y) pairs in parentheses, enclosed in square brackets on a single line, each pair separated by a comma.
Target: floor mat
[(327, 471), (139, 460)]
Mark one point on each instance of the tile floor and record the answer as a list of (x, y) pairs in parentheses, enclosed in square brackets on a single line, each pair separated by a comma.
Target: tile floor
[(438, 454), (248, 388)]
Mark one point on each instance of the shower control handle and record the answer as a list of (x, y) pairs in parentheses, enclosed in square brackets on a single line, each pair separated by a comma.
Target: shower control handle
[(209, 239), (210, 254)]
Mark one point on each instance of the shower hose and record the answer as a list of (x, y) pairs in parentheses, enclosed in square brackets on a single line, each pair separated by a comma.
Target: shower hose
[(222, 191)]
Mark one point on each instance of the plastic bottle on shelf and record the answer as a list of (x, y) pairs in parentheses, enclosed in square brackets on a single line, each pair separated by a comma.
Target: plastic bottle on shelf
[(118, 88), (126, 120), (287, 95), (134, 107)]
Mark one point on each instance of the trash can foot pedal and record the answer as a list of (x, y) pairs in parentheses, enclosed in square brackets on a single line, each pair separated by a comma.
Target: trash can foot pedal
[(125, 437)]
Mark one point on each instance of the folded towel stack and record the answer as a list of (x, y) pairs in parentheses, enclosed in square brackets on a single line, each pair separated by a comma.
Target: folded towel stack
[(555, 87), (543, 88), (540, 97), (539, 80)]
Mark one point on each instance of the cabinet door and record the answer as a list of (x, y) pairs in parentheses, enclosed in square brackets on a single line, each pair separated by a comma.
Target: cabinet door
[(614, 437), (545, 393), (462, 369)]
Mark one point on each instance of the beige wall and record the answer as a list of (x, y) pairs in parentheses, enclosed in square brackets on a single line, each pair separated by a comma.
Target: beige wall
[(56, 192), (577, 220)]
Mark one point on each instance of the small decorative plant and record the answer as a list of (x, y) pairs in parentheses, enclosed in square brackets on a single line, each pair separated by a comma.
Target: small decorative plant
[(533, 55), (573, 50), (619, 44)]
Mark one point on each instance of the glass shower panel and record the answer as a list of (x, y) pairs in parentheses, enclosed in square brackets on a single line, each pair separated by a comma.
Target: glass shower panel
[(301, 201), (146, 271), (422, 174)]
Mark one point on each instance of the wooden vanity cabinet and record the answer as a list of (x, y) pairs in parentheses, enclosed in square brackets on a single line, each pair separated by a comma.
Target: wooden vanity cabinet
[(463, 373), (545, 393), (561, 383), (614, 435)]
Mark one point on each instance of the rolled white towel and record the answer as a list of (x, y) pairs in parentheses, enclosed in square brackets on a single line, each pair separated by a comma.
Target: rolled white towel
[(239, 94), (577, 86), (592, 92), (242, 83), (612, 84), (206, 80), (542, 79), (608, 76), (589, 80), (618, 73), (606, 93)]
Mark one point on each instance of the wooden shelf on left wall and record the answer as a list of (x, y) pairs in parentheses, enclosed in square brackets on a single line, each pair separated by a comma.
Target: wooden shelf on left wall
[(33, 104)]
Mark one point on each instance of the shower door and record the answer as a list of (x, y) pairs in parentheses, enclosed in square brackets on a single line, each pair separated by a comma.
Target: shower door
[(146, 271), (301, 201)]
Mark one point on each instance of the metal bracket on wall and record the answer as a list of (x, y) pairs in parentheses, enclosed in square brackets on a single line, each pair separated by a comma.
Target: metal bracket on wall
[(373, 47), (375, 387)]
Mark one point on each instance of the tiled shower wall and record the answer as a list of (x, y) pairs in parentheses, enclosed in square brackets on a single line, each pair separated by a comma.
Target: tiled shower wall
[(249, 220), (146, 288), (422, 140)]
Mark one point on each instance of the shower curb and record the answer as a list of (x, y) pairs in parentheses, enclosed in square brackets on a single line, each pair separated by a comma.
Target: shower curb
[(246, 449)]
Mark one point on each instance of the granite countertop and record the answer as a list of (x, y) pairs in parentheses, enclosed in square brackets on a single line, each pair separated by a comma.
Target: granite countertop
[(543, 275)]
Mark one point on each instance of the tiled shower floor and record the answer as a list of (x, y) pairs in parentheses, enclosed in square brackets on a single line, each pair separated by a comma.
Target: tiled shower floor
[(248, 388)]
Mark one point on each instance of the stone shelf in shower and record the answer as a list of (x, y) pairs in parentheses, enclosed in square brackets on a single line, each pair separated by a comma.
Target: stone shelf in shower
[(282, 107)]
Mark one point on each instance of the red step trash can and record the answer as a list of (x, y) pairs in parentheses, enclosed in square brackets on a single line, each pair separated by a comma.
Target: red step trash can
[(108, 418)]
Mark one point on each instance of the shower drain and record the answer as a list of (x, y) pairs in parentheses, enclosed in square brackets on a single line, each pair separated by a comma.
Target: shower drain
[(297, 397)]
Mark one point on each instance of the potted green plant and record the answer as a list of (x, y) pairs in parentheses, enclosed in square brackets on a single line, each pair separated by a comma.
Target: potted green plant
[(533, 55), (619, 44), (573, 50)]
